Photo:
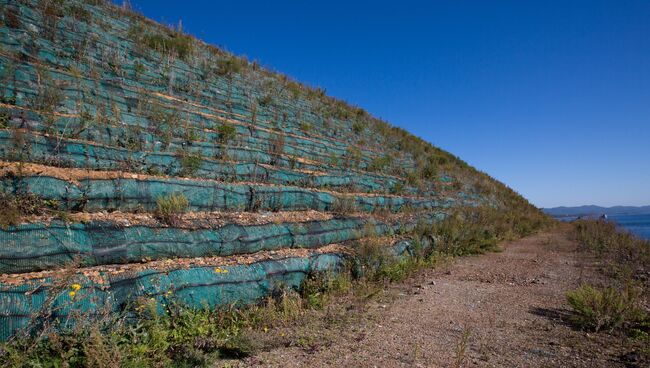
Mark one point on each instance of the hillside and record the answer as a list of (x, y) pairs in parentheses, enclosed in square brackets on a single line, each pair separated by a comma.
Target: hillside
[(139, 162)]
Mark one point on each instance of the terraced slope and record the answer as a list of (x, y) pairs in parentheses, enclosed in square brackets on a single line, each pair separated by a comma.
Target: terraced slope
[(137, 161)]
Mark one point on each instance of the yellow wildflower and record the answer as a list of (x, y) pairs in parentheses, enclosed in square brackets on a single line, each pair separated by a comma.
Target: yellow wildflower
[(76, 287), (266, 329), (217, 270), (72, 294), (225, 271)]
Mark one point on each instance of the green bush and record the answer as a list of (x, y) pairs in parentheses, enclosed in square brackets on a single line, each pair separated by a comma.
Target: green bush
[(226, 133), (175, 42), (344, 206), (605, 308), (190, 163), (15, 206), (316, 288), (305, 127), (229, 65), (170, 207)]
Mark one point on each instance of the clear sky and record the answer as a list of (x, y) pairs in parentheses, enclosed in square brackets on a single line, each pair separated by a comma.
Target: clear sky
[(550, 97)]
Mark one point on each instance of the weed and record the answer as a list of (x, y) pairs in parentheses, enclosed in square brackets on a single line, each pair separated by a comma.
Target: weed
[(606, 308), (276, 147), (229, 66), (226, 133), (353, 156), (305, 127), (461, 347), (174, 42), (169, 208), (4, 118), (12, 17), (190, 163), (358, 127), (344, 206), (78, 12)]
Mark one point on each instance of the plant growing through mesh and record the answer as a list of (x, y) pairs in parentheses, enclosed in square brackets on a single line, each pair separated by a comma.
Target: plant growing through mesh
[(190, 163), (276, 147), (229, 65), (171, 42), (344, 206), (169, 208), (353, 157), (226, 133), (12, 17), (305, 127)]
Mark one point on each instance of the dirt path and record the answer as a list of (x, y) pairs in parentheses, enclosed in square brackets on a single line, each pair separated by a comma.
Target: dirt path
[(507, 307)]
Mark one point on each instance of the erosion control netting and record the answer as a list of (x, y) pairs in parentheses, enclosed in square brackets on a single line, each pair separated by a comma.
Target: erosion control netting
[(108, 75), (40, 246), (128, 194), (29, 304), (64, 152), (135, 107), (105, 292), (93, 92)]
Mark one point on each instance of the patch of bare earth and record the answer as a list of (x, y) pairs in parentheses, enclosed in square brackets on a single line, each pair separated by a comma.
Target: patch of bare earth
[(505, 309)]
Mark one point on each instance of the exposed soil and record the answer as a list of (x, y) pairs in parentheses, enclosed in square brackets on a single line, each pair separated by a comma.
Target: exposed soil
[(510, 306)]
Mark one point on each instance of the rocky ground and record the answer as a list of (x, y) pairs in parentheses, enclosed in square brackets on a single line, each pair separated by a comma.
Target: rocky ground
[(499, 309)]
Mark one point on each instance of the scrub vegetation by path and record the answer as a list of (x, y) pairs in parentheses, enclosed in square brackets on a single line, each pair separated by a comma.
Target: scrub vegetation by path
[(502, 309)]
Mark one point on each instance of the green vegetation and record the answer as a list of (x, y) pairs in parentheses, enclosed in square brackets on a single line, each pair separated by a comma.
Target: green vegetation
[(170, 207), (344, 206), (179, 336), (4, 118), (378, 164), (16, 206), (606, 308), (276, 147), (226, 133), (353, 157), (190, 163), (617, 304), (12, 18), (305, 127), (174, 42), (229, 65)]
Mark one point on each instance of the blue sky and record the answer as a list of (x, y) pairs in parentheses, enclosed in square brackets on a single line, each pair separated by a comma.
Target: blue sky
[(550, 97)]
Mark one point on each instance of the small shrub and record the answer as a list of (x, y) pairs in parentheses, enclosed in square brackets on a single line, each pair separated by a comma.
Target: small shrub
[(12, 17), (317, 287), (170, 207), (596, 309), (175, 42), (358, 127), (305, 127), (10, 214), (4, 118), (276, 147), (229, 66), (15, 206), (379, 163), (398, 188), (353, 156), (190, 163), (78, 12), (226, 133), (344, 206), (267, 100)]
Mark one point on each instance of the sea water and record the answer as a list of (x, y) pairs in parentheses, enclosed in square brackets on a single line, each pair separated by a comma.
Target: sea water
[(636, 224)]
